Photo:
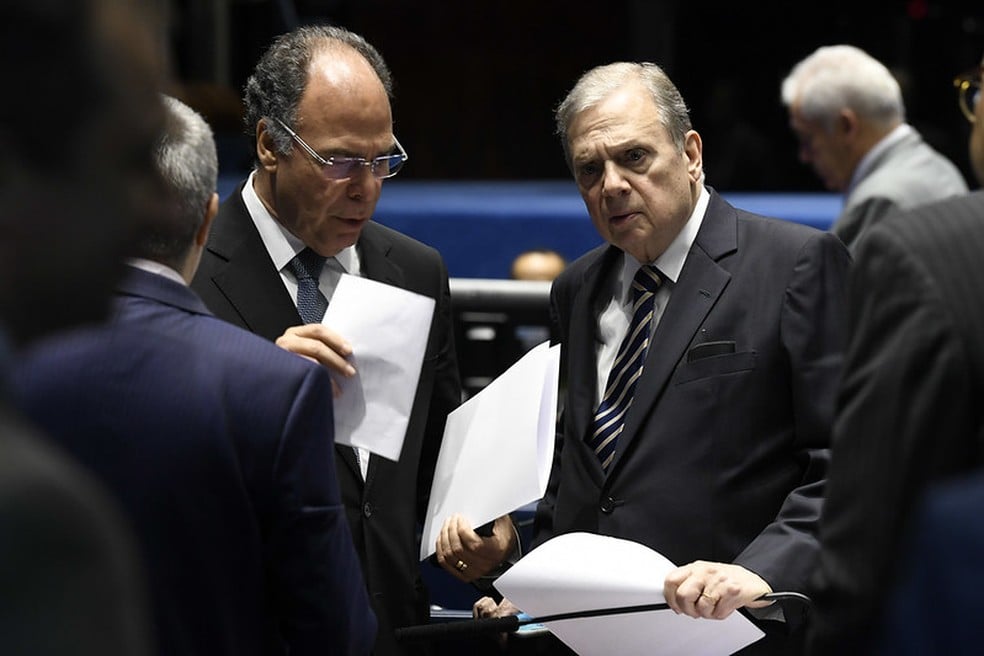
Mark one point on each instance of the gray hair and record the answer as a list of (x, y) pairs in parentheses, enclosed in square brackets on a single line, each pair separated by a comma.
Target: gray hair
[(188, 164), (601, 81), (275, 88), (843, 76)]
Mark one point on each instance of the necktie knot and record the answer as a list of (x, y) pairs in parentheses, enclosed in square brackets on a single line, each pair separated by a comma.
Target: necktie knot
[(307, 264), (311, 303), (646, 281)]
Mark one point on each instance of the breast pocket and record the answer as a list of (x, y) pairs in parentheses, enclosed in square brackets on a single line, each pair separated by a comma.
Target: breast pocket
[(715, 365)]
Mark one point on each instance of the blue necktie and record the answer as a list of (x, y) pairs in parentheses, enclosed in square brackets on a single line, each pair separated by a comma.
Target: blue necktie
[(610, 417), (311, 303)]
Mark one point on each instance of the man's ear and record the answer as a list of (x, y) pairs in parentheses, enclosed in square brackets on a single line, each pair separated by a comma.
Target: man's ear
[(847, 122), (266, 150), (211, 209)]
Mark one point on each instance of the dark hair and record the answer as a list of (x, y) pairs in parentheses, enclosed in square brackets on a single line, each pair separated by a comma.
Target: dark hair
[(275, 88)]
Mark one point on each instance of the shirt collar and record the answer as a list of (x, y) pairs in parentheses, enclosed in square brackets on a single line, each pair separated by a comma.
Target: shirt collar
[(670, 262), (156, 268), (900, 132)]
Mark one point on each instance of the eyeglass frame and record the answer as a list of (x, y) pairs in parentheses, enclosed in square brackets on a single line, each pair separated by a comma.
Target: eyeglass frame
[(327, 164), (965, 82)]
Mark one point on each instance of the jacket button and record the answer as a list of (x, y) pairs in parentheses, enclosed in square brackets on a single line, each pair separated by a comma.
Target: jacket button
[(367, 509), (608, 506)]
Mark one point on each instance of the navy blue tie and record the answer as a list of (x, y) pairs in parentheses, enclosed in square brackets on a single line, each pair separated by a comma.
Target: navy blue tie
[(311, 303), (610, 417)]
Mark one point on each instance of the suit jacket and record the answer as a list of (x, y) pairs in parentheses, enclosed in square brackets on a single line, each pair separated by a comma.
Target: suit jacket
[(932, 606), (219, 446), (239, 283), (72, 584), (910, 408), (723, 455), (907, 173)]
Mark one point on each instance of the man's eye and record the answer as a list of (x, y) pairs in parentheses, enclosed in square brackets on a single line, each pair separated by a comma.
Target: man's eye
[(635, 155), (587, 170)]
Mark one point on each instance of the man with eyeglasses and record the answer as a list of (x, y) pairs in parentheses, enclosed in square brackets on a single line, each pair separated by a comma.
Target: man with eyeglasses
[(909, 417), (318, 107), (846, 110)]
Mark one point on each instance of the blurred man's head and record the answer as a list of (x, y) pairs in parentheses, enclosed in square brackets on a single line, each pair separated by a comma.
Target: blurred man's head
[(77, 132), (189, 166)]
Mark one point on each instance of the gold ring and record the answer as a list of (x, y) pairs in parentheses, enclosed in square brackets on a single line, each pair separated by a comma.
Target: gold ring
[(461, 566), (712, 598)]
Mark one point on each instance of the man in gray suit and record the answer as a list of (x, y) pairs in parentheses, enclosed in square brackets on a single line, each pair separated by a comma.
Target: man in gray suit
[(910, 411), (847, 112)]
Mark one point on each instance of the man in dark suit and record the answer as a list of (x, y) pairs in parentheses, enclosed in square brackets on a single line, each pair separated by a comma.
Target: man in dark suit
[(76, 150), (932, 606), (318, 107), (217, 443), (909, 411), (719, 454)]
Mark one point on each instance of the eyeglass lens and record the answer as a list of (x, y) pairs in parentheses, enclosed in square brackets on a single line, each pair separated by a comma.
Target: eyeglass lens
[(345, 167)]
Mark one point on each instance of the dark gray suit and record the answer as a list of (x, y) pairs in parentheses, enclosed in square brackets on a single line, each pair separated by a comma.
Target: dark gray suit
[(240, 284), (910, 410), (722, 458)]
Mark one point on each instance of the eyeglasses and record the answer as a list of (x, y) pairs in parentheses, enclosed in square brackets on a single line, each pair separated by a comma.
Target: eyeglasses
[(969, 86), (341, 168)]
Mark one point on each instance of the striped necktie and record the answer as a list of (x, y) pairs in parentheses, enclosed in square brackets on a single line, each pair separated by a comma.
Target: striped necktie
[(311, 303), (610, 417)]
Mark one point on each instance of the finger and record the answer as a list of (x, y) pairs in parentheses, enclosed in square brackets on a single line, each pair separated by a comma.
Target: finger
[(706, 604), (319, 344)]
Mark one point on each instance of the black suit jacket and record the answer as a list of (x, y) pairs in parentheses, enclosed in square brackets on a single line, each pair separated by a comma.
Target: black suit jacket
[(910, 409), (218, 445), (240, 284), (725, 447)]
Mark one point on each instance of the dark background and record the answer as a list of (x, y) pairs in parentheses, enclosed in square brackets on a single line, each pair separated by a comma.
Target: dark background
[(476, 82)]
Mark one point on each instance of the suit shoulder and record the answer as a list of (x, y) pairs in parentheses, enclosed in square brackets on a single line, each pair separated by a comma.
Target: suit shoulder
[(400, 241)]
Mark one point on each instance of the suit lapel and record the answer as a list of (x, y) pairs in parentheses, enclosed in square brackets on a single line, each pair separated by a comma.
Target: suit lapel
[(374, 250), (249, 280), (701, 283), (376, 264), (592, 293)]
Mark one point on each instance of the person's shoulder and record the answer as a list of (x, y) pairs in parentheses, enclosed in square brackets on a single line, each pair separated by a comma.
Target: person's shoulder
[(237, 346), (955, 219), (384, 235)]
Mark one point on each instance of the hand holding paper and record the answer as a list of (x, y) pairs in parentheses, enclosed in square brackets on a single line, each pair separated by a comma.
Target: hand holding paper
[(388, 329), (585, 571), (498, 446)]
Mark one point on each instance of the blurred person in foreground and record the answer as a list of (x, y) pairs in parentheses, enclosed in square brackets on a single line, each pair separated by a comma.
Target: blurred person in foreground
[(909, 413), (217, 443), (847, 112), (73, 184), (318, 110), (716, 455)]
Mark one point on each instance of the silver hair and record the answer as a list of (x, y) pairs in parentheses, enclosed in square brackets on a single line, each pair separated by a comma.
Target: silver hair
[(187, 162), (843, 76), (601, 81)]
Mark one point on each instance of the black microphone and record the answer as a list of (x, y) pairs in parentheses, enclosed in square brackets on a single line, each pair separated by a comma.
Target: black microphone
[(509, 623)]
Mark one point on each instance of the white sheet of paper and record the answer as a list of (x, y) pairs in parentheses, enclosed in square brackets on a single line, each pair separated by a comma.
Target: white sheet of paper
[(387, 328), (498, 446), (586, 571)]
